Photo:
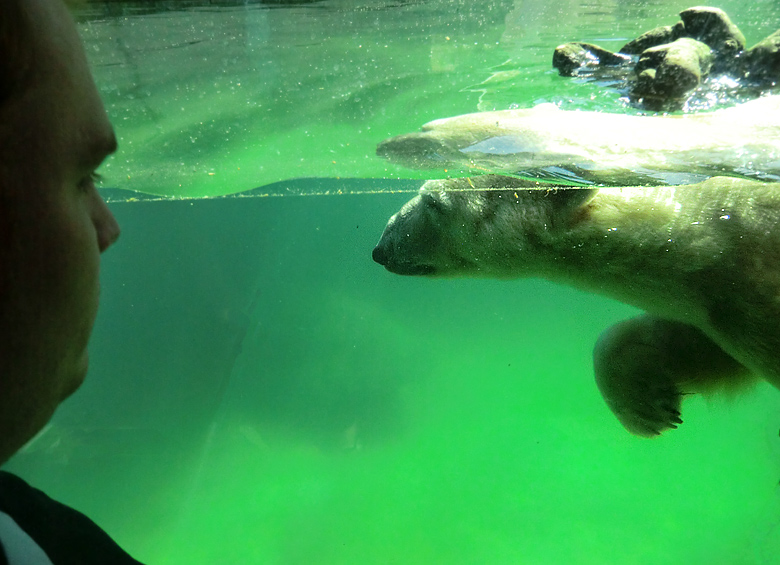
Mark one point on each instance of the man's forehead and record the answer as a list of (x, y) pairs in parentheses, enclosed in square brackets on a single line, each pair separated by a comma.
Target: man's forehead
[(64, 75), (60, 107)]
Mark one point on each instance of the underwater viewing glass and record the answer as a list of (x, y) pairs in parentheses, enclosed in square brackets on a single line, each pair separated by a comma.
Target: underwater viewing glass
[(262, 391)]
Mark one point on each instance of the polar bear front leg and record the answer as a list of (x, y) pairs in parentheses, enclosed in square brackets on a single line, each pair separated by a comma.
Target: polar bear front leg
[(645, 365)]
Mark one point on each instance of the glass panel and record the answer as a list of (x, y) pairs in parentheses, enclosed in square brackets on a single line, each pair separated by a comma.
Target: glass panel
[(261, 391)]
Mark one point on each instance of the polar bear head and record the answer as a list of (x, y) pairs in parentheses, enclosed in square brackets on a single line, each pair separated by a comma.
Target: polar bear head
[(488, 226)]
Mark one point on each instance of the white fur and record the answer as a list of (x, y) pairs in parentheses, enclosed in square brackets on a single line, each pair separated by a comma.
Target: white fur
[(702, 260), (598, 146)]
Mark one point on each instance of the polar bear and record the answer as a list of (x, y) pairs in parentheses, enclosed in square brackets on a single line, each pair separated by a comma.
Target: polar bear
[(702, 260)]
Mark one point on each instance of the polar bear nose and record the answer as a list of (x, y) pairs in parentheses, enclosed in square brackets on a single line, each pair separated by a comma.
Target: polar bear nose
[(380, 255), (386, 256)]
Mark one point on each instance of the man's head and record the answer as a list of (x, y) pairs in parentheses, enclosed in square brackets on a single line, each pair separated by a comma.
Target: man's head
[(54, 133)]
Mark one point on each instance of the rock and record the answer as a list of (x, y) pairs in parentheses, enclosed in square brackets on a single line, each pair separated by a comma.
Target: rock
[(653, 38), (713, 27), (674, 60), (570, 57), (761, 63), (671, 70)]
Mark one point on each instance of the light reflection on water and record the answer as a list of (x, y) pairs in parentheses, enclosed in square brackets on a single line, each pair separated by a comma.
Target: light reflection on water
[(213, 101)]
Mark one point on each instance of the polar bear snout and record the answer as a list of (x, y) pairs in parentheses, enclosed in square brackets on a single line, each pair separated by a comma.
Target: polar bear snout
[(403, 251), (380, 255), (387, 256), (384, 255), (416, 150)]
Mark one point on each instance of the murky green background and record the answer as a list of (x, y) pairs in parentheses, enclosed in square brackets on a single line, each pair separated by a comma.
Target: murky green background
[(262, 392)]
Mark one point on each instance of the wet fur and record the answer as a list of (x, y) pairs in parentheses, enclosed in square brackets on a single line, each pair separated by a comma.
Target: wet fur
[(702, 260)]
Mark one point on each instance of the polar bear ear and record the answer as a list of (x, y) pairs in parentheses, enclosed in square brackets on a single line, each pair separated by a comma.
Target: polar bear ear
[(565, 200)]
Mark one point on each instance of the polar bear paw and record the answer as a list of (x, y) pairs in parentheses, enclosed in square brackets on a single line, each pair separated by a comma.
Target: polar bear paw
[(646, 405), (635, 379), (645, 365)]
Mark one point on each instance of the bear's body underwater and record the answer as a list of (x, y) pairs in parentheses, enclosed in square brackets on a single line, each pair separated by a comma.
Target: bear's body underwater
[(702, 260)]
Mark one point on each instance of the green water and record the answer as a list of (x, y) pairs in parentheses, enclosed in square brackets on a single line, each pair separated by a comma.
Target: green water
[(262, 392)]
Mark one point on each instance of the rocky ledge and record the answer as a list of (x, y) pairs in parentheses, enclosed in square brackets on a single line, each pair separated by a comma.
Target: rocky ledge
[(663, 66)]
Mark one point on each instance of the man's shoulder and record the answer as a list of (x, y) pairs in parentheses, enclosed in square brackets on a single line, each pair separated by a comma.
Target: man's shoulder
[(65, 534)]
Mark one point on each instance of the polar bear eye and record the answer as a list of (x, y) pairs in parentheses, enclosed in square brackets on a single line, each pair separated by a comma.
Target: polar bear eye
[(433, 202)]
